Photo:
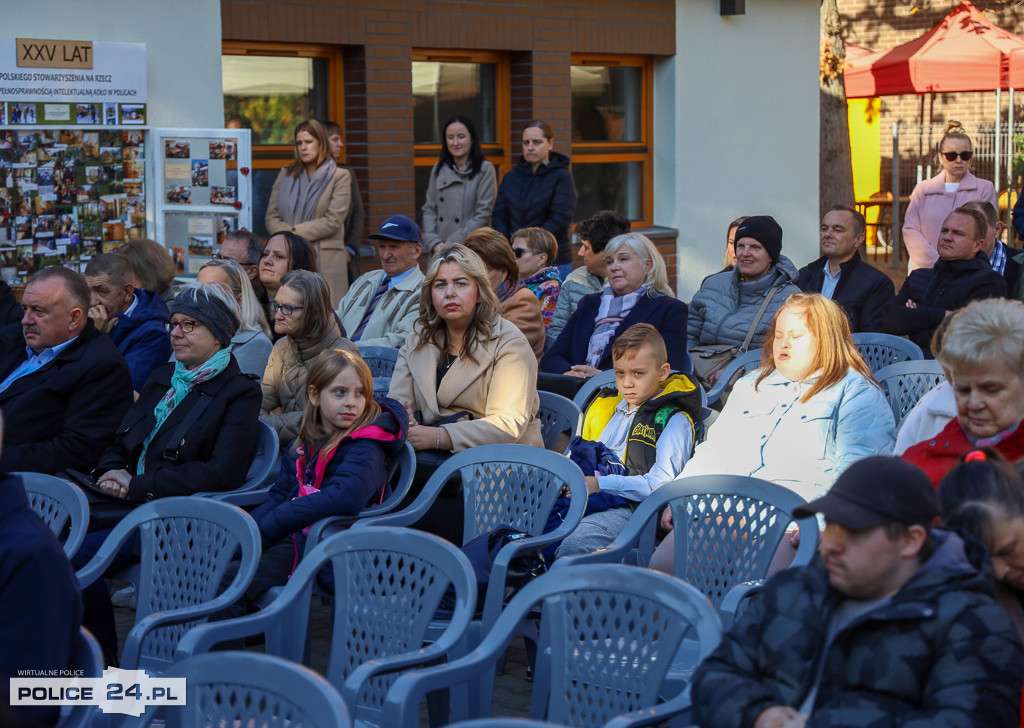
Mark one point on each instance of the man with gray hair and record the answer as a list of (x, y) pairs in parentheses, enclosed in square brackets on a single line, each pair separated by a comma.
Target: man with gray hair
[(246, 249), (67, 388)]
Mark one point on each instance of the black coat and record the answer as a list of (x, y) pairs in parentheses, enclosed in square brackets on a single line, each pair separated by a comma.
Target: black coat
[(216, 451), (64, 414), (545, 199), (10, 309), (950, 285), (862, 291)]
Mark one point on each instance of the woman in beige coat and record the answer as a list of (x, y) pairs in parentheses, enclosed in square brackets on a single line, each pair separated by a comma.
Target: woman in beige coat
[(311, 198), (303, 313), (463, 357)]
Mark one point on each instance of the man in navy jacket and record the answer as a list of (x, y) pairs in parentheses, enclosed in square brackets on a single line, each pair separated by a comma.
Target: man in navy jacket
[(64, 388), (841, 275), (135, 318)]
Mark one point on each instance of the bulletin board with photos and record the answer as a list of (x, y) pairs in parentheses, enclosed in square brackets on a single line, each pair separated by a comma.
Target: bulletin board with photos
[(203, 190), (68, 194)]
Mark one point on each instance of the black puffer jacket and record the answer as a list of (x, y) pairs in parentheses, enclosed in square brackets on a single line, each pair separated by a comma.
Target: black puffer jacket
[(545, 199), (941, 652)]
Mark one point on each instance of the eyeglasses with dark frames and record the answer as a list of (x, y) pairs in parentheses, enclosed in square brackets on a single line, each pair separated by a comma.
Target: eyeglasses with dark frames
[(286, 310), (187, 326), (951, 156)]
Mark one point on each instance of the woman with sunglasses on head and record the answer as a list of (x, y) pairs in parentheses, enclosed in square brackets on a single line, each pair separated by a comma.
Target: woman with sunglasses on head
[(462, 187), (933, 199), (304, 316), (311, 198)]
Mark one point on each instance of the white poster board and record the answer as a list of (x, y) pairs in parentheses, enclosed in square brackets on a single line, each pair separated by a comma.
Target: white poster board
[(202, 189)]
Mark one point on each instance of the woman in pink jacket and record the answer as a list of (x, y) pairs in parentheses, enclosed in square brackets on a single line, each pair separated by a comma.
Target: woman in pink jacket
[(933, 199)]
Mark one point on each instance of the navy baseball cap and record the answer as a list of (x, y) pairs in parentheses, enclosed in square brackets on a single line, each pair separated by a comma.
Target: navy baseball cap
[(876, 491), (399, 227)]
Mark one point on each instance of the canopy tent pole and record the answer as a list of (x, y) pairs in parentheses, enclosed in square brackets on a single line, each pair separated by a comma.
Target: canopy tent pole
[(998, 151), (1009, 171), (897, 243)]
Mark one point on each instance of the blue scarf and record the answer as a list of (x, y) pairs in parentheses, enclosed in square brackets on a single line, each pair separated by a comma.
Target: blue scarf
[(182, 382)]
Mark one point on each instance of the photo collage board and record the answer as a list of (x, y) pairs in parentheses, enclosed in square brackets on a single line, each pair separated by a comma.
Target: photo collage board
[(67, 195), (204, 191)]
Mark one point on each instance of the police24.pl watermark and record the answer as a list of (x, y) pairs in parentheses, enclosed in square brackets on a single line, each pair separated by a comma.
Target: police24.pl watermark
[(128, 692)]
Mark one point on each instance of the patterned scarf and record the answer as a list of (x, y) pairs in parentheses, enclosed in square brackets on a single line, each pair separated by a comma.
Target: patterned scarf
[(182, 382), (610, 314)]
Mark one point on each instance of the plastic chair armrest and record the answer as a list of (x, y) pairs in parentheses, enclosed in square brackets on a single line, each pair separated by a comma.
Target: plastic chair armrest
[(680, 705), (201, 638), (732, 599)]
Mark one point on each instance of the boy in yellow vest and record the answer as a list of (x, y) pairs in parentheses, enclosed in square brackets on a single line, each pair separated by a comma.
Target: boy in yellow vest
[(648, 423)]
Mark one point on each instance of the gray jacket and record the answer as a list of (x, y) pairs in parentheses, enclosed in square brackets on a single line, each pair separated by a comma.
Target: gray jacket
[(395, 314), (575, 286), (251, 350), (457, 205), (722, 311)]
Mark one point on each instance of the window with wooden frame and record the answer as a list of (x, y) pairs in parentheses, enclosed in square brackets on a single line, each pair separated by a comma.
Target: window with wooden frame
[(271, 87), (449, 82), (612, 129)]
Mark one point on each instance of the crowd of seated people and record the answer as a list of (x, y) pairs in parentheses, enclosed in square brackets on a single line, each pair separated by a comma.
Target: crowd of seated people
[(153, 400)]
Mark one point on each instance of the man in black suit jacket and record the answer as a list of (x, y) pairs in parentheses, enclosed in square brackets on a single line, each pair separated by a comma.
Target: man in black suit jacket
[(65, 391), (961, 274), (861, 290)]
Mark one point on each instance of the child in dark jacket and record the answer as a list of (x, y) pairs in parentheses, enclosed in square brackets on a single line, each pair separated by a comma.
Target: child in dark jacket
[(336, 467), (648, 427)]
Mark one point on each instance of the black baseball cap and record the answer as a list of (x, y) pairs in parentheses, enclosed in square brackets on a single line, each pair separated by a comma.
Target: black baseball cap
[(875, 491)]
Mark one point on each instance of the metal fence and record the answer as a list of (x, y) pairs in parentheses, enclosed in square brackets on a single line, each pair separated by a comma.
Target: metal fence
[(913, 159)]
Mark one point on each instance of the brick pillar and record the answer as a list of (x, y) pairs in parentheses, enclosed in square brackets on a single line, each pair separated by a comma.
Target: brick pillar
[(387, 116), (541, 84), (357, 148)]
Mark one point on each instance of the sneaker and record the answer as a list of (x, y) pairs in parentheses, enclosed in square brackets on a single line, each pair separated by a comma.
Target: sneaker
[(124, 598)]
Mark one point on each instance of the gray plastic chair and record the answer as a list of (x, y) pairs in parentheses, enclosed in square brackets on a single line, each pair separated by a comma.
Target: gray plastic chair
[(248, 689), (745, 363), (505, 723), (62, 506), (389, 583), (261, 475), (381, 386), (590, 387), (881, 350), (557, 415), (733, 527), (502, 485), (87, 661), (380, 359), (906, 382), (607, 636), (186, 546)]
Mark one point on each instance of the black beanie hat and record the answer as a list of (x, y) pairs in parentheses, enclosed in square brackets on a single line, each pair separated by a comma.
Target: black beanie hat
[(764, 230), (208, 310)]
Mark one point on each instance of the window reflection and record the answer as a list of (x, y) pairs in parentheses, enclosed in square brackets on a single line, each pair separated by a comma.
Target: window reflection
[(272, 94), (442, 89), (609, 186), (606, 104)]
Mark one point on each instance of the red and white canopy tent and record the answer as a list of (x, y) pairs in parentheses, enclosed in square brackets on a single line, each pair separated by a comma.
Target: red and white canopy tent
[(964, 52)]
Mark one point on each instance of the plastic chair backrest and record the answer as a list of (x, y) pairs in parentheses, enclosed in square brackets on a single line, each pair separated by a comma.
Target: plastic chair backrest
[(906, 382), (608, 634), (389, 583), (557, 415), (186, 545), (881, 350), (62, 506), (743, 517), (249, 689), (747, 362), (261, 474), (380, 359), (381, 385), (86, 661), (596, 382)]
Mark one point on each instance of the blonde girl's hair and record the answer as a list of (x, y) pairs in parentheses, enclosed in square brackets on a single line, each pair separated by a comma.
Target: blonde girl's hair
[(322, 371), (433, 329), (315, 129), (657, 276), (954, 130), (836, 354), (253, 318)]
